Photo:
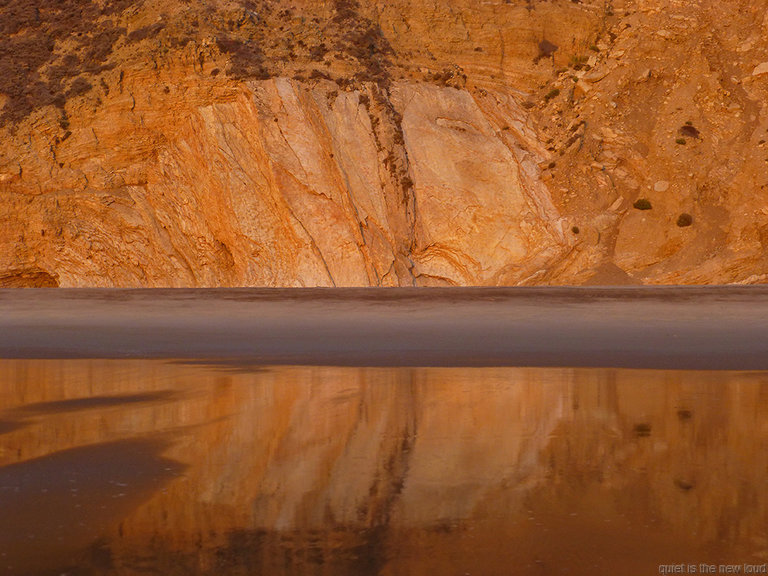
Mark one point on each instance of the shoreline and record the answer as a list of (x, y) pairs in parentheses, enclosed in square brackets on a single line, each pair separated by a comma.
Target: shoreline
[(665, 327)]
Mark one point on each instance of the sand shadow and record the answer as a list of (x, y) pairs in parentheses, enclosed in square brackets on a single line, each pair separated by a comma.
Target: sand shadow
[(7, 426), (56, 506), (92, 402)]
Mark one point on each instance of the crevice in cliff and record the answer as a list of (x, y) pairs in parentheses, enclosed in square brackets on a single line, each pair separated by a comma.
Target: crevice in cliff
[(387, 130), (374, 275)]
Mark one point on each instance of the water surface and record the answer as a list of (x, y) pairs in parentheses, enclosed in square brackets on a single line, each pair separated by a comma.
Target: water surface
[(189, 467)]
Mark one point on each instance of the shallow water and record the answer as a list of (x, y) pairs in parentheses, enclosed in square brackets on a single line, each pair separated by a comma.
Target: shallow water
[(156, 467)]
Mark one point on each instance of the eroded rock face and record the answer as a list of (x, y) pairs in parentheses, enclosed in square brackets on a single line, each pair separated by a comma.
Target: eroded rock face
[(247, 143), (282, 183)]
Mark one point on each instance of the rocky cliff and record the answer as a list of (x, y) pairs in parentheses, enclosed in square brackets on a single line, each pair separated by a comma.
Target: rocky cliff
[(346, 143)]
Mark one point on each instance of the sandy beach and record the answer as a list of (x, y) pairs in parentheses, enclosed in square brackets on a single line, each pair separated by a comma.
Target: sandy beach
[(665, 328)]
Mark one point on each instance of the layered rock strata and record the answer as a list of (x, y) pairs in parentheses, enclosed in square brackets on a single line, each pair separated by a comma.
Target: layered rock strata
[(243, 143)]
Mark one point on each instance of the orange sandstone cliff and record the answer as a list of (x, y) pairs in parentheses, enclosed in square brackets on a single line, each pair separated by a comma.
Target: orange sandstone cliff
[(351, 143)]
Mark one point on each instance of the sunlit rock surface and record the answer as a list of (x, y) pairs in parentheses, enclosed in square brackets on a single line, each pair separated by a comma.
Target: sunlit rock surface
[(289, 185), (355, 143)]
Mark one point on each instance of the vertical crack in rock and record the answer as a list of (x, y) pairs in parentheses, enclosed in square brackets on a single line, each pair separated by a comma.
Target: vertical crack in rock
[(396, 176)]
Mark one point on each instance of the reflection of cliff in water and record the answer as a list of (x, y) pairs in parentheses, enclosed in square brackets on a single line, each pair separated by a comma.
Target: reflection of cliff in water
[(408, 471)]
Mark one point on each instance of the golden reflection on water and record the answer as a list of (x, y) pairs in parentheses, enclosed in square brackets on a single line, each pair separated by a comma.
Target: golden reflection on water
[(152, 467)]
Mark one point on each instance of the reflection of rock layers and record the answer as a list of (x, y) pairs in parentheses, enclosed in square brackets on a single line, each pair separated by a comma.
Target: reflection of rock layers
[(688, 448), (295, 469), (361, 449)]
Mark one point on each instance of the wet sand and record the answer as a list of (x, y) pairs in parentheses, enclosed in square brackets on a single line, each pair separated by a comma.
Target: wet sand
[(126, 467), (663, 327)]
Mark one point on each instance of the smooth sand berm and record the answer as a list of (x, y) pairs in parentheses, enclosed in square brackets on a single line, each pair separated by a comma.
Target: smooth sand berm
[(646, 327)]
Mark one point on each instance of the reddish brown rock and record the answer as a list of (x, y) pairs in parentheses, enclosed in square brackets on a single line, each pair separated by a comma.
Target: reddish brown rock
[(383, 144)]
